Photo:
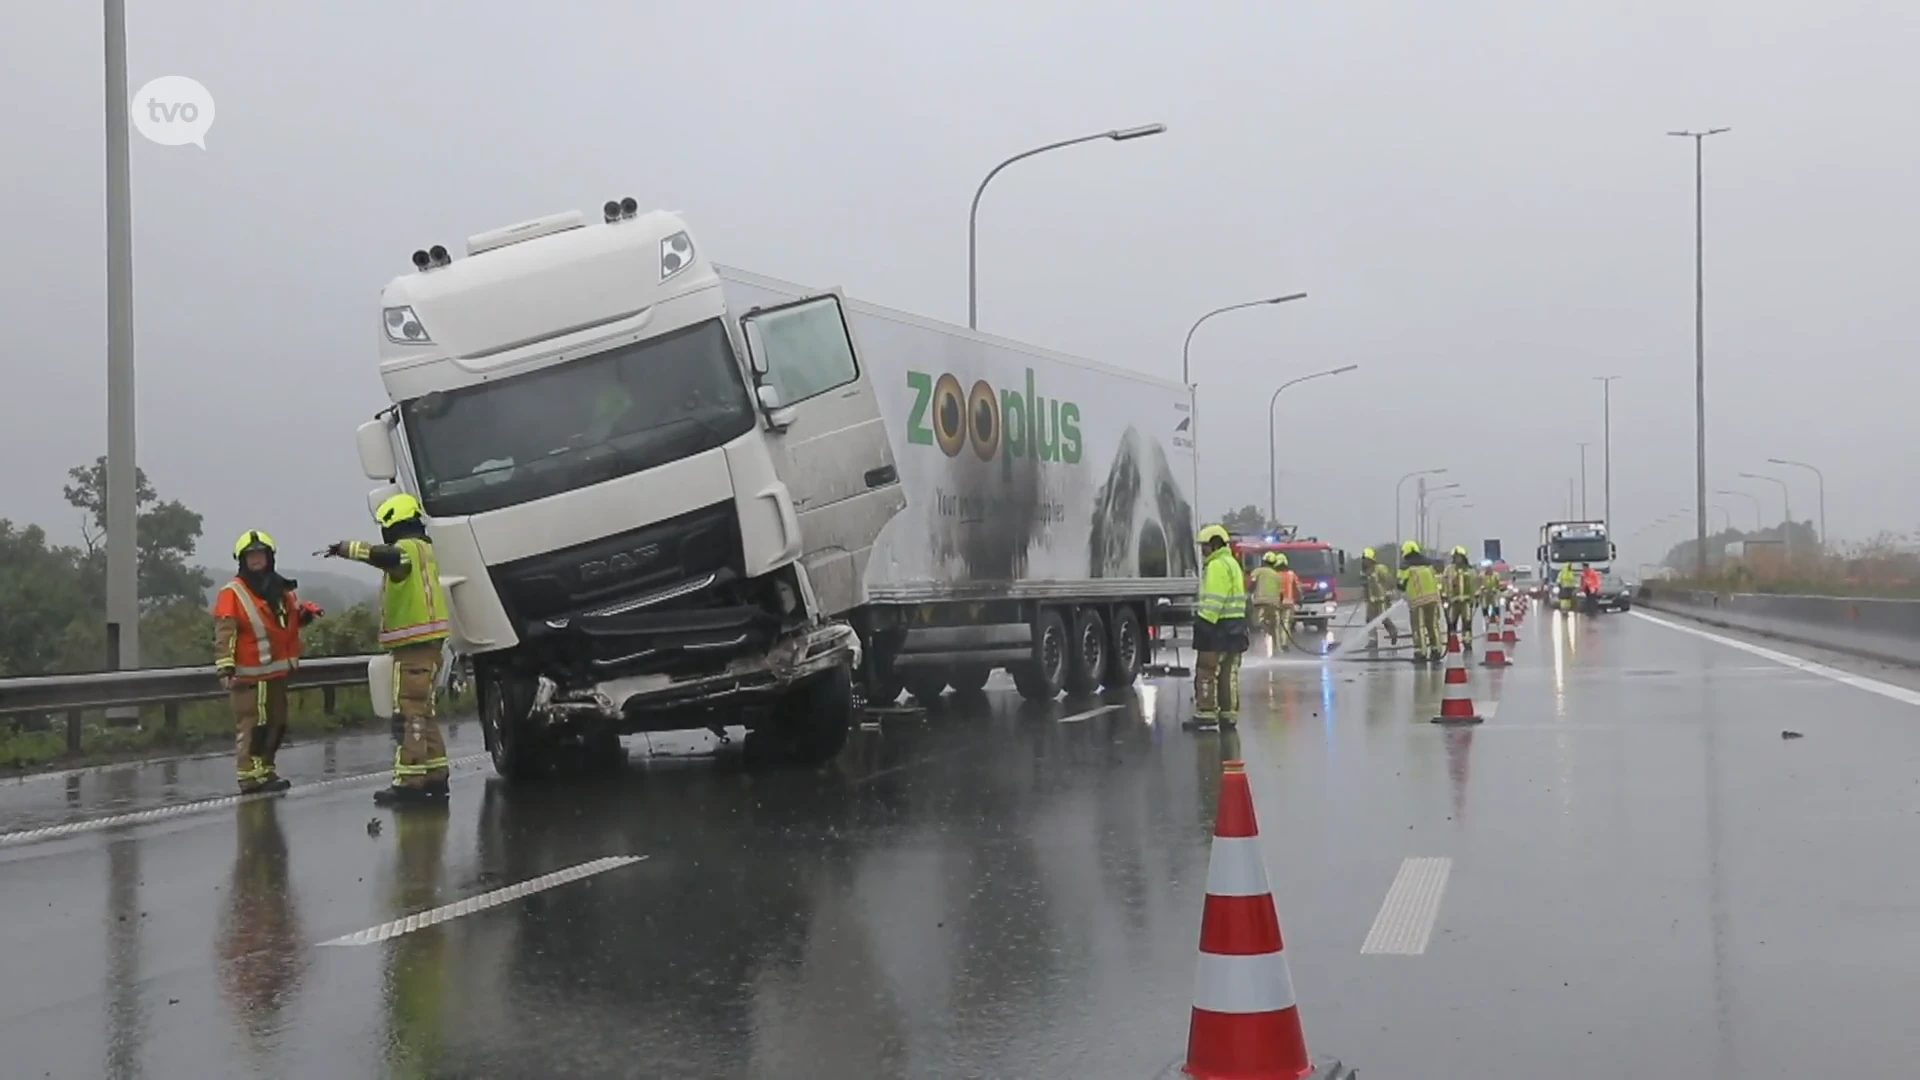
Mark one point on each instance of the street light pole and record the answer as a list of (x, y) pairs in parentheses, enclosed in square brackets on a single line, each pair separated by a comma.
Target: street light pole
[(1750, 497), (1440, 523), (973, 215), (1434, 535), (123, 581), (1397, 489), (1273, 486), (1606, 451), (1583, 480), (1821, 479), (1186, 374), (1699, 339)]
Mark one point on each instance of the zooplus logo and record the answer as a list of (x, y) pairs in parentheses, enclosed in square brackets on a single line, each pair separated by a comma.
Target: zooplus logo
[(995, 423)]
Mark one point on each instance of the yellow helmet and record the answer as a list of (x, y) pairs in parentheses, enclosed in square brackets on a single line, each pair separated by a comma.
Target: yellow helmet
[(1367, 553), (252, 540), (397, 508), (1213, 532), (1279, 558), (1411, 547), (1459, 549), (1272, 558)]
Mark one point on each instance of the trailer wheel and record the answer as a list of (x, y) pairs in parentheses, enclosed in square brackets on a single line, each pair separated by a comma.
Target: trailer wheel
[(1088, 660), (521, 752), (813, 719), (925, 684), (1128, 649), (969, 678), (1041, 678)]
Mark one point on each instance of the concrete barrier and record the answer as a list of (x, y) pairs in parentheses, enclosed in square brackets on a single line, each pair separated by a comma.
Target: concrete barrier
[(1886, 630)]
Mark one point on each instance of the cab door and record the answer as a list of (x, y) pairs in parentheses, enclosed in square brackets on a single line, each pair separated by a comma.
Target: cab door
[(829, 442)]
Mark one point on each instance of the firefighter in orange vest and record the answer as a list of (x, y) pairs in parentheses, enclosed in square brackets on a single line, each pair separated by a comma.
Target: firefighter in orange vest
[(256, 644)]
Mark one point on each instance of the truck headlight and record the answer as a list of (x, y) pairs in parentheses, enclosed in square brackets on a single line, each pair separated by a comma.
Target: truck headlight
[(404, 327), (676, 253)]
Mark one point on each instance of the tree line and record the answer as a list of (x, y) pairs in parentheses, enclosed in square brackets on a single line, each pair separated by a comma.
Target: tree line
[(53, 597)]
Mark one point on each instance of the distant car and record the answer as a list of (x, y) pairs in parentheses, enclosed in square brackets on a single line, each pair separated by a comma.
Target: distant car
[(1521, 580)]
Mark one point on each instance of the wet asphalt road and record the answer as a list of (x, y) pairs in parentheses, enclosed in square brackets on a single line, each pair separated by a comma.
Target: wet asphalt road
[(1642, 878)]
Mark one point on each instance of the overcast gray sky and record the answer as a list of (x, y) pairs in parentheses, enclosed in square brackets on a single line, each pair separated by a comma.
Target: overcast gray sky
[(1478, 195)]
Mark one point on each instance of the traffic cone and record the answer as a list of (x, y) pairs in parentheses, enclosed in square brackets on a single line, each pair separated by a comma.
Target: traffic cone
[(1246, 1024), (1512, 633), (1496, 645), (1456, 704)]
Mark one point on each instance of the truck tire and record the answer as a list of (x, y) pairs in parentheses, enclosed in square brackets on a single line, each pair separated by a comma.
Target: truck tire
[(925, 684), (814, 718), (969, 679), (1126, 650), (1041, 678), (521, 753), (1087, 659)]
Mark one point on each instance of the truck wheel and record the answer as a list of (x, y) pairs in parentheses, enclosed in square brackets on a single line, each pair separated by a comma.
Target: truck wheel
[(1041, 678), (1127, 651), (520, 751), (969, 679), (926, 684), (815, 716), (1087, 661)]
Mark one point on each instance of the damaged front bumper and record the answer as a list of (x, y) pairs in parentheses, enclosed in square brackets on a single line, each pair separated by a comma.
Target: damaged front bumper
[(792, 659)]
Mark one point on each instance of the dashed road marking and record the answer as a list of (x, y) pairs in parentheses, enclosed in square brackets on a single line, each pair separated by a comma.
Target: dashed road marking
[(422, 919), (1091, 713), (1412, 906), (199, 806), (1858, 682)]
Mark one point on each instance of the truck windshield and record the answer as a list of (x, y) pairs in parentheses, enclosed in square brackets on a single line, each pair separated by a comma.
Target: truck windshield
[(577, 423), (1585, 549), (1311, 562)]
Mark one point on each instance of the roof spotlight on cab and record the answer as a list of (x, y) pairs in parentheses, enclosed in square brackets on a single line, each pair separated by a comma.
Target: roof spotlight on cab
[(629, 207), (440, 256), (611, 211), (421, 260)]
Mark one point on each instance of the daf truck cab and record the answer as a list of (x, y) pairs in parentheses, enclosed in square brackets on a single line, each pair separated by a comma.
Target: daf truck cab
[(651, 510)]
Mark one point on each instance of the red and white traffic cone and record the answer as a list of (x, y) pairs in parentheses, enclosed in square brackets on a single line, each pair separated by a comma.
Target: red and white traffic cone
[(1456, 703), (1496, 645), (1246, 1024), (1512, 631)]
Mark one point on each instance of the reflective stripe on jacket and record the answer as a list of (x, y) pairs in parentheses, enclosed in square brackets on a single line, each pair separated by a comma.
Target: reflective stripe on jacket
[(1461, 582), (1420, 584), (1379, 582), (413, 609), (1266, 586), (266, 643)]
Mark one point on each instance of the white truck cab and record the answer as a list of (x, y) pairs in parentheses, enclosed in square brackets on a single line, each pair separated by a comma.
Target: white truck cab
[(646, 506)]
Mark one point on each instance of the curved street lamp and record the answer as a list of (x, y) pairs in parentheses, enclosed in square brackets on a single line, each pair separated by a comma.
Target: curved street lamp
[(973, 215), (1397, 489), (1822, 480), (1186, 373), (1273, 486)]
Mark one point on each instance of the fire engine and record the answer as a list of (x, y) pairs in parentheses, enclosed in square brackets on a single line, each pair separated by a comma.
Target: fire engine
[(1317, 563)]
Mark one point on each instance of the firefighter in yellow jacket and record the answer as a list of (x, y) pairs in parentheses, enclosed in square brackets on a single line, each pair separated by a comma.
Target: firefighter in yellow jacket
[(1219, 631), (1264, 590), (413, 628), (1422, 588), (1461, 582), (1378, 582)]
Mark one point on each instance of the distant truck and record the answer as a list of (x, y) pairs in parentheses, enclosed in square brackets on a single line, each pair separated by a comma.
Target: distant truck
[(1564, 543), (667, 495), (1317, 563)]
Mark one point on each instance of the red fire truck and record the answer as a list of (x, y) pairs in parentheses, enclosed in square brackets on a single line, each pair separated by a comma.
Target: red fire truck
[(1318, 564)]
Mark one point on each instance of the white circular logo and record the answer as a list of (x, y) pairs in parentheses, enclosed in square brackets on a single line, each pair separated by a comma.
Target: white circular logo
[(172, 110)]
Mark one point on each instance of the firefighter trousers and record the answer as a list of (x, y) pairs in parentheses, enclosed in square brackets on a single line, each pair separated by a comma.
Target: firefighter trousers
[(1426, 628), (259, 727), (1216, 687), (419, 753), (1460, 621)]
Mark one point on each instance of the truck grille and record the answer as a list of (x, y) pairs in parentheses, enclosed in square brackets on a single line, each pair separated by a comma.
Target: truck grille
[(600, 574)]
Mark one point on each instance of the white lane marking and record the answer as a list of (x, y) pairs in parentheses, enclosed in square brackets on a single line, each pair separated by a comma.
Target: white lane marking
[(1090, 714), (420, 920), (1235, 868), (1412, 906), (1848, 678), (1243, 984), (199, 806)]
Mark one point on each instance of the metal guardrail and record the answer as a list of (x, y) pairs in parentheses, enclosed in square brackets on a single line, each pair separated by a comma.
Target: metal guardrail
[(73, 694), (1877, 629)]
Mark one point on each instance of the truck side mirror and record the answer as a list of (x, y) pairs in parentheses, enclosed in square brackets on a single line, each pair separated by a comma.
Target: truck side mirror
[(778, 415), (1343, 562), (1613, 551), (376, 450), (1540, 553)]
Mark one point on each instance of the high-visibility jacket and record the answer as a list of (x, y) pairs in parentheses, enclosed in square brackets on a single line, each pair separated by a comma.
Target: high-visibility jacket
[(1420, 583), (266, 642), (1379, 583), (413, 608), (1289, 588), (1590, 580), (1461, 582), (1567, 579), (1265, 586), (1490, 583), (1223, 591)]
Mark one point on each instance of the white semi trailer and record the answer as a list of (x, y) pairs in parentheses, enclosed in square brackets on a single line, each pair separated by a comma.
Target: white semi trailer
[(670, 495)]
